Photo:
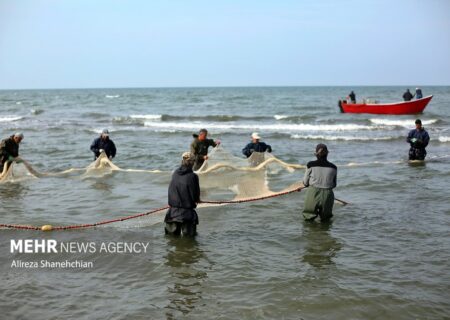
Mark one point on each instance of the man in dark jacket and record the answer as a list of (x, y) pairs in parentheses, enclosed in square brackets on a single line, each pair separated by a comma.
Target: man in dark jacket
[(104, 144), (199, 148), (407, 96), (418, 138), (320, 178), (184, 194), (352, 97), (9, 149), (256, 146)]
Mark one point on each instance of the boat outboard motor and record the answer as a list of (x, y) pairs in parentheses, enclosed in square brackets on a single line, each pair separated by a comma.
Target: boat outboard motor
[(340, 102)]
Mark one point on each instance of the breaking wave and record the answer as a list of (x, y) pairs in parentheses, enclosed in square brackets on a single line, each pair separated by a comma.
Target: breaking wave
[(112, 96), (181, 126), (444, 139), (141, 118), (10, 118), (400, 123), (341, 138), (146, 116), (36, 111)]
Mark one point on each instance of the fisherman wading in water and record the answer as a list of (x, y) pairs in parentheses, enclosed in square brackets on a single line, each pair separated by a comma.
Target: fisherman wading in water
[(320, 178), (199, 147), (104, 144), (9, 150), (418, 139), (184, 194)]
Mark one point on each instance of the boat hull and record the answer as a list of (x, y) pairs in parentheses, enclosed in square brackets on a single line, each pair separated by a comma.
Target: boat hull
[(404, 107)]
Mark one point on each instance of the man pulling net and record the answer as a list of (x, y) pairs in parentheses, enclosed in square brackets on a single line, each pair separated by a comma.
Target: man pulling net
[(184, 195), (199, 148), (9, 151), (320, 178)]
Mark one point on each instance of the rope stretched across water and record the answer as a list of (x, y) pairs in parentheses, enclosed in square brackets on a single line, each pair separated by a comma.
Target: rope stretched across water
[(92, 225)]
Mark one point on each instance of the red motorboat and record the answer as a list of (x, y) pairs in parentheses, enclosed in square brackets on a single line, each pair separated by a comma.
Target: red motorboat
[(404, 107)]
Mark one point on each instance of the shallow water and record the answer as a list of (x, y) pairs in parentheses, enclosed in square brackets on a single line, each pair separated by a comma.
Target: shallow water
[(384, 256)]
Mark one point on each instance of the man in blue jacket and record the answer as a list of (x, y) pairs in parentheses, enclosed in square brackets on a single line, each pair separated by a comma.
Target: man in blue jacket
[(184, 194), (256, 146), (418, 138), (418, 93), (104, 144)]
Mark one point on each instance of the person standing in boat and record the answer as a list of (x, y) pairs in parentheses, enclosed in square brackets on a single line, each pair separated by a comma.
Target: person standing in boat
[(199, 147), (320, 178), (418, 139), (184, 195), (9, 150), (418, 93), (352, 97), (407, 96), (104, 144)]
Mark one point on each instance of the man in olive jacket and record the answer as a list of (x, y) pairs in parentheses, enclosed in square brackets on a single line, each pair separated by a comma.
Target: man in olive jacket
[(199, 148), (9, 149)]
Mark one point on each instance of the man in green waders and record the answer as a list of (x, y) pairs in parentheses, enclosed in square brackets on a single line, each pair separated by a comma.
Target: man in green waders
[(320, 178)]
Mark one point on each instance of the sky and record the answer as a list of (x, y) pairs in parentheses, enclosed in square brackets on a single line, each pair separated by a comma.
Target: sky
[(184, 43)]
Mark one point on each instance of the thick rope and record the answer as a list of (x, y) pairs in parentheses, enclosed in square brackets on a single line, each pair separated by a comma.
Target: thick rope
[(256, 199), (82, 226), (92, 225)]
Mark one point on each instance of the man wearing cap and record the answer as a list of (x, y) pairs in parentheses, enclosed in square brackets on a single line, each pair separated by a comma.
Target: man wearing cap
[(199, 148), (9, 149), (418, 93), (184, 194), (256, 146), (104, 144), (320, 178), (418, 139)]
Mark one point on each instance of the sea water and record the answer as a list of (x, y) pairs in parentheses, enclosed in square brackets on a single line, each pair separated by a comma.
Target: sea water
[(384, 256)]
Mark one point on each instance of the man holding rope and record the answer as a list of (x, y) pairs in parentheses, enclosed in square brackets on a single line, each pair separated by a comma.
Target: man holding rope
[(320, 178), (184, 194)]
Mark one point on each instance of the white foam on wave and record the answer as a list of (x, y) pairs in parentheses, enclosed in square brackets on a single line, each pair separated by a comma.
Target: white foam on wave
[(99, 131), (260, 127), (112, 96), (444, 139), (280, 117), (36, 111), (10, 118), (340, 138), (146, 116), (400, 123)]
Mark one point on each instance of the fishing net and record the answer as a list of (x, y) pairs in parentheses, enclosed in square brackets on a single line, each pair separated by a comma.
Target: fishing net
[(225, 176), (102, 166), (224, 179)]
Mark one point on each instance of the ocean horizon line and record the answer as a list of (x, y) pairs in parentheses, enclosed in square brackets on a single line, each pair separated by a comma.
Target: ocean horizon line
[(226, 87)]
